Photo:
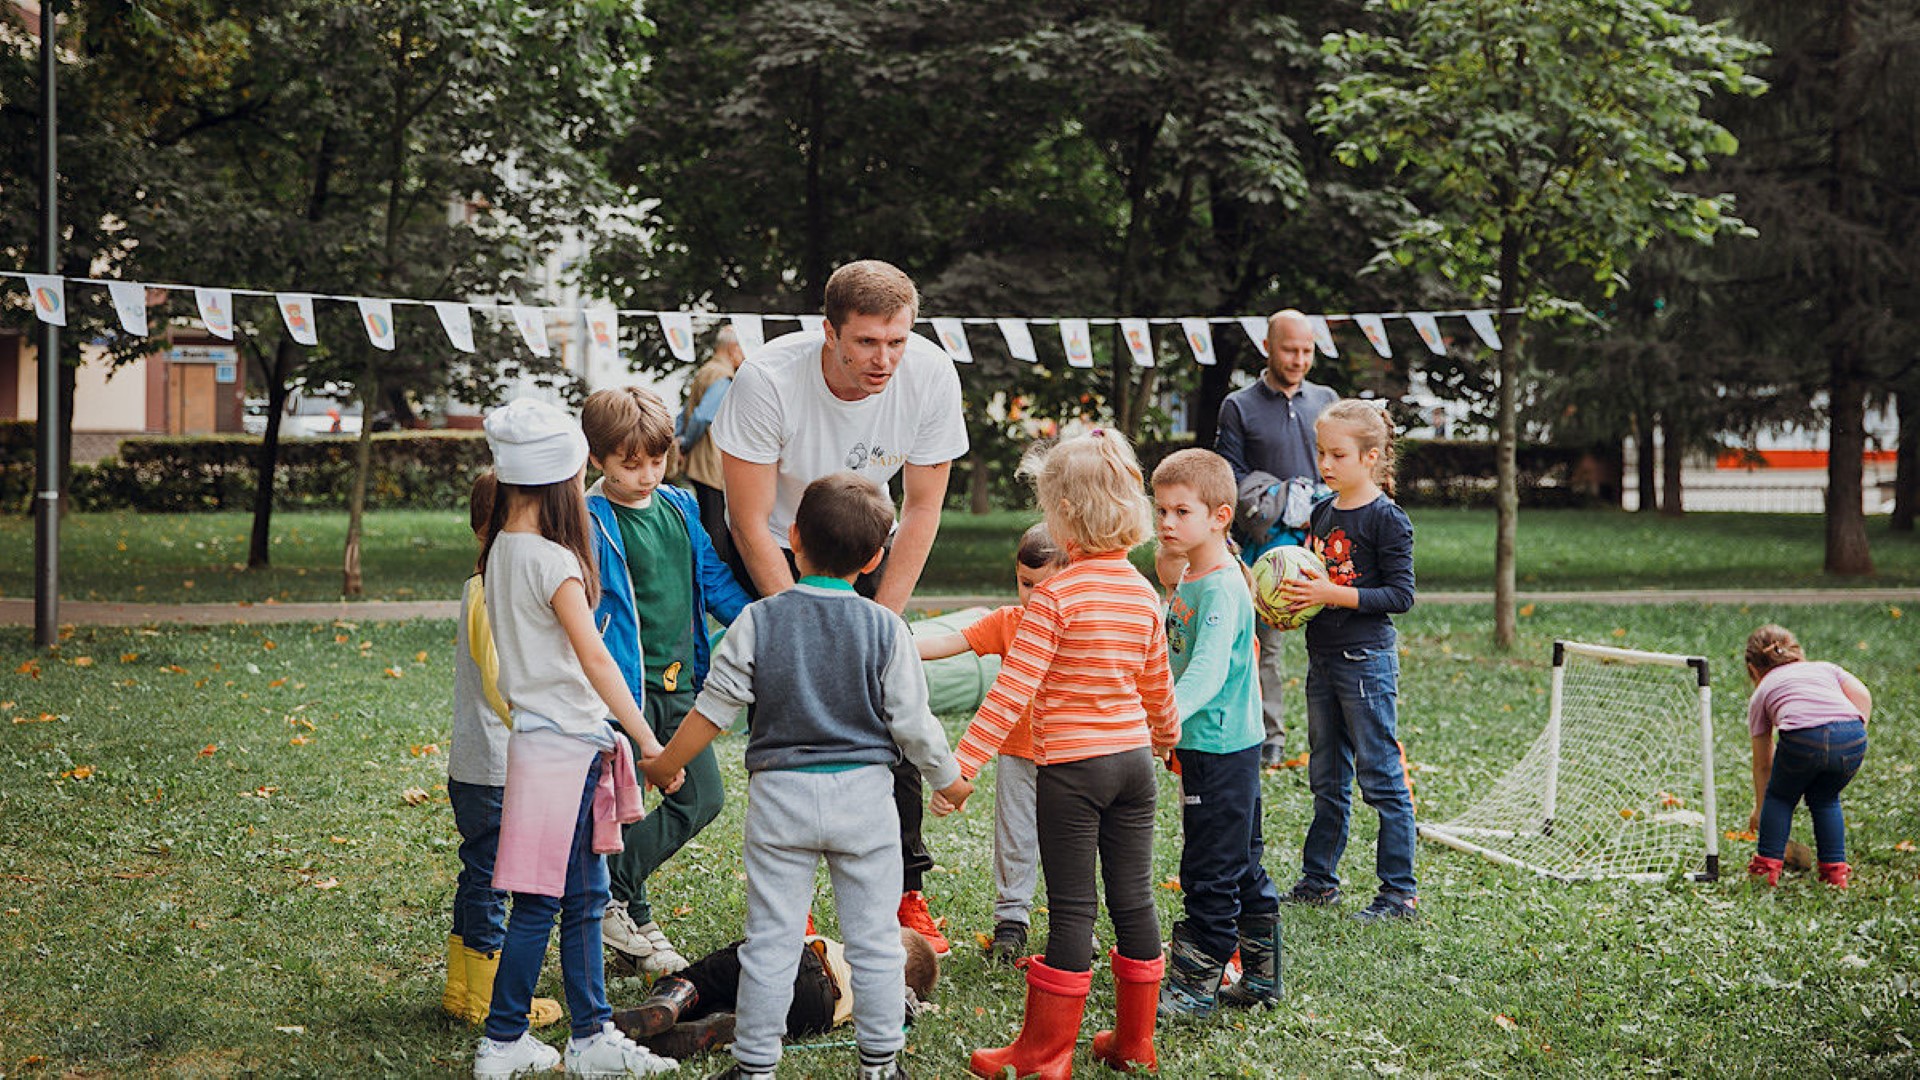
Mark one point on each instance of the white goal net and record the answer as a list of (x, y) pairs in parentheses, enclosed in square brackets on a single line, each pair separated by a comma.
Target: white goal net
[(1620, 784)]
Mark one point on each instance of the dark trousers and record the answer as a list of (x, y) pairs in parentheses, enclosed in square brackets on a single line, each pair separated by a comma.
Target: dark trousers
[(909, 796), (677, 819), (716, 981), (1101, 805), (1220, 873), (713, 518)]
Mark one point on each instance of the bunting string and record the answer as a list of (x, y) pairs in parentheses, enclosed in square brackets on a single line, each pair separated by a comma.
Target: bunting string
[(215, 307)]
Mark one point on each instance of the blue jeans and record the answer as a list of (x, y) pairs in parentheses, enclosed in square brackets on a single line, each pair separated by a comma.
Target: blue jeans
[(479, 909), (1351, 712), (531, 926), (1221, 878), (1812, 764)]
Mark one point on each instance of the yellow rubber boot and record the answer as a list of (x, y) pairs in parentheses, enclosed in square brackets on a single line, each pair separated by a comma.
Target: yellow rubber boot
[(481, 968), (454, 998)]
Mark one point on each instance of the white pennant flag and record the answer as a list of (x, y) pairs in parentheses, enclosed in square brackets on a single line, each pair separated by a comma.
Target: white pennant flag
[(49, 297), (296, 310), (603, 330), (130, 302), (1376, 332), (1429, 331), (1075, 338), (1139, 339), (377, 317), (678, 327), (1482, 323), (749, 332), (1322, 336), (1019, 339), (216, 311), (1256, 328), (532, 322), (1199, 337), (953, 339), (457, 320)]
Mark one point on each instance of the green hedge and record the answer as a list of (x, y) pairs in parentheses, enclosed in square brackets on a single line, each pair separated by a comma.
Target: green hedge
[(411, 469)]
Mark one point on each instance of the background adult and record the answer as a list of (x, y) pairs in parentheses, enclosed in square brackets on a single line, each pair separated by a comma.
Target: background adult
[(864, 394), (704, 396), (1268, 427)]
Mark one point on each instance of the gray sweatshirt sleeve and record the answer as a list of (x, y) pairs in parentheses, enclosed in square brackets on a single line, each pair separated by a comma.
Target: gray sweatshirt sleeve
[(909, 719), (729, 686)]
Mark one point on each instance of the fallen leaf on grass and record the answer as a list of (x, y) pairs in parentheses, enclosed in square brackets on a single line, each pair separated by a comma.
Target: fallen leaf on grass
[(1526, 612), (28, 667), (7, 704), (983, 938), (339, 840), (1894, 613), (339, 639), (269, 645), (175, 669), (1298, 761), (1172, 884), (1743, 834), (43, 718), (420, 657), (129, 657), (209, 750), (275, 684), (394, 673), (424, 749), (1506, 1021), (682, 911), (83, 661), (78, 772), (327, 883), (1669, 800), (1619, 631), (290, 1029), (413, 796), (1629, 813), (260, 793), (299, 740), (1904, 845)]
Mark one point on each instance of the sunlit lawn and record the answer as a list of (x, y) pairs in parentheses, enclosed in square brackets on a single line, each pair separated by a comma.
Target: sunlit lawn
[(217, 861)]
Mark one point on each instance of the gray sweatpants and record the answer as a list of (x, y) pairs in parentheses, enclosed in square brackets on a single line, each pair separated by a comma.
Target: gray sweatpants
[(793, 820), (1016, 839), (1273, 679)]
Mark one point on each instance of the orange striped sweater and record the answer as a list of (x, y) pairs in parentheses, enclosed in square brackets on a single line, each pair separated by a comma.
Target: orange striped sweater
[(1091, 657)]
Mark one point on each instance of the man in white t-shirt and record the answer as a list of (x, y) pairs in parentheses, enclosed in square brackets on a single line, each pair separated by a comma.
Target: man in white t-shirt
[(865, 394)]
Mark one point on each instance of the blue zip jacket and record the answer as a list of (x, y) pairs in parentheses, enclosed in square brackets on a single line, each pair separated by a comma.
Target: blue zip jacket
[(713, 586)]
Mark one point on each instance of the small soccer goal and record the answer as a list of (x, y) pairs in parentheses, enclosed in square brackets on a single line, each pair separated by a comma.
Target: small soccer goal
[(1619, 785)]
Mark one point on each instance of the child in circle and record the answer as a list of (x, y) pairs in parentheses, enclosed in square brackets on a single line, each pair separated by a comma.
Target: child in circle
[(570, 780), (1820, 712), (1091, 657), (1231, 904), (476, 782), (1016, 852), (1353, 660)]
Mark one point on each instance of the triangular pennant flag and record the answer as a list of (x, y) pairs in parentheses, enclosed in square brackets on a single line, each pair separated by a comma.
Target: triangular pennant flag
[(1256, 328), (532, 322), (1139, 341), (747, 330), (1376, 332), (1075, 338), (216, 311), (1482, 323), (296, 310), (49, 293), (377, 317), (603, 330), (954, 340), (130, 302), (678, 327), (1429, 332), (457, 320), (1322, 336), (1199, 337), (1018, 338)]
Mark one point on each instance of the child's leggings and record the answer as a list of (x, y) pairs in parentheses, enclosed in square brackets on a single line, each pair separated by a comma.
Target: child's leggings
[(1102, 807), (1814, 764)]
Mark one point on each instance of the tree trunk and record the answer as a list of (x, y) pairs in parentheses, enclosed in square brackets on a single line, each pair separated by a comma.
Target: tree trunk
[(1906, 468), (1847, 552), (1673, 452), (350, 582), (979, 491), (1644, 465), (275, 376), (1506, 449)]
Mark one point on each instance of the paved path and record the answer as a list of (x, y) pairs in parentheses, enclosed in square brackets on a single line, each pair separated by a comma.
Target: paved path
[(98, 613)]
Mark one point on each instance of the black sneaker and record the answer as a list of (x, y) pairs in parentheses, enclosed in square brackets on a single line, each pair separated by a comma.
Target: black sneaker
[(1310, 895), (1009, 942), (1273, 755), (1387, 906)]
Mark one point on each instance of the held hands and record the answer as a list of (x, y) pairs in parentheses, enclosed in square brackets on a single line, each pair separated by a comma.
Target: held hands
[(668, 783), (952, 798), (1310, 589)]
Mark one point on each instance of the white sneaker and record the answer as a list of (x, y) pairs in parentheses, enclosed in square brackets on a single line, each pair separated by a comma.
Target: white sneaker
[(642, 943), (524, 1055), (662, 958), (611, 1054)]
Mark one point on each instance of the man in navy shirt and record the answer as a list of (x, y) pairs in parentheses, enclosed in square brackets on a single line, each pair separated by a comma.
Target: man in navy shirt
[(1268, 427)]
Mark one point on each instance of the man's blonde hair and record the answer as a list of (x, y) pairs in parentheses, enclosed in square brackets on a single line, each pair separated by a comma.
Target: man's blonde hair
[(1092, 492), (626, 422), (869, 287)]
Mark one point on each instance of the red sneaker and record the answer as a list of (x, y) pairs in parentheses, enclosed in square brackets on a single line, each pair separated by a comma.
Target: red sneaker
[(810, 931), (915, 917)]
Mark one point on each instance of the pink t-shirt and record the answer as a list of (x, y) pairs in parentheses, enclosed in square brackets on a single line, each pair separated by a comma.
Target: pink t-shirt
[(1803, 694)]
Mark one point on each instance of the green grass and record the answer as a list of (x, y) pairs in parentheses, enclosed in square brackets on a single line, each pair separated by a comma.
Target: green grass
[(173, 911), (423, 555)]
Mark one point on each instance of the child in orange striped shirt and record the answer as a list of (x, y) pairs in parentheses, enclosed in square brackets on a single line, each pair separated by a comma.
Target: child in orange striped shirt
[(1091, 657)]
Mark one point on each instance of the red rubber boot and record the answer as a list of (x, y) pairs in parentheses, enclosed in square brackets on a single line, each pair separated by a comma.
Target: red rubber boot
[(1129, 1045), (1055, 1001), (1835, 873), (1769, 869)]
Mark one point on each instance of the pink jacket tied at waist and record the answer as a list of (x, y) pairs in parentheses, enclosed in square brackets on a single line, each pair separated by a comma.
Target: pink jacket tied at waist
[(545, 771)]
